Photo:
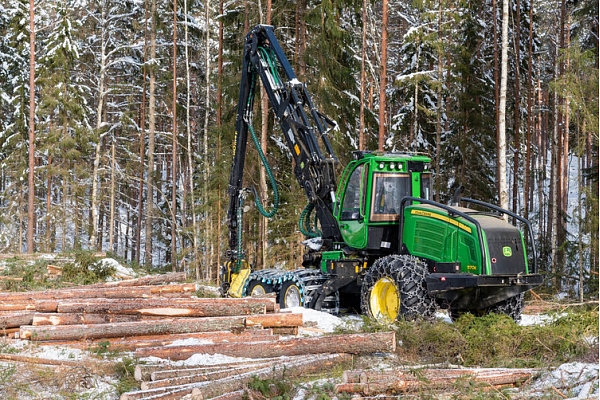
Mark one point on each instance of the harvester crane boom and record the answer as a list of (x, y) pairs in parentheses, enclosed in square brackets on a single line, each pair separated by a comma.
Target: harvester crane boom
[(302, 124)]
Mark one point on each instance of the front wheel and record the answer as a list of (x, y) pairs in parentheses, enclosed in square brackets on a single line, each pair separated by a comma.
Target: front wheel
[(290, 295), (258, 288), (394, 287)]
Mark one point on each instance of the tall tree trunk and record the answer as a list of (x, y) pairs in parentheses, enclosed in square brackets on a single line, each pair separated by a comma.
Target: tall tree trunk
[(438, 129), (530, 118), (31, 172), (208, 234), (113, 179), (99, 120), (503, 192), (174, 164), (151, 132), (496, 90), (517, 119), (264, 221), (49, 223), (142, 124), (383, 75), (219, 111), (361, 131), (190, 146)]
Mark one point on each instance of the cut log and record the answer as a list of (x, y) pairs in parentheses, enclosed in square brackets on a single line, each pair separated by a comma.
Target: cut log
[(15, 320), (285, 330), (10, 278), (17, 305), (43, 319), (356, 376), (160, 279), (131, 343), (12, 332), (157, 307), (143, 372), (237, 395), (210, 389), (351, 343), (379, 382), (275, 320), (181, 290), (37, 360), (198, 377), (129, 329)]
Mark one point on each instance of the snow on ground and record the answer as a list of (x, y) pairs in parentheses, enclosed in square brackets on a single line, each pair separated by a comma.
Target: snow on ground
[(578, 380), (120, 273)]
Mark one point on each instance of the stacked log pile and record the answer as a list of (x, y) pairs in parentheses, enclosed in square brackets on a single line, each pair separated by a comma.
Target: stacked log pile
[(401, 381), (150, 306)]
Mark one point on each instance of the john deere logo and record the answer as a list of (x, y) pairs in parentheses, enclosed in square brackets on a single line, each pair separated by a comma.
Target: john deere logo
[(507, 251)]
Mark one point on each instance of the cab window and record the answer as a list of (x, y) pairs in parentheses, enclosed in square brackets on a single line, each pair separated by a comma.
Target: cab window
[(426, 186), (389, 190), (352, 197)]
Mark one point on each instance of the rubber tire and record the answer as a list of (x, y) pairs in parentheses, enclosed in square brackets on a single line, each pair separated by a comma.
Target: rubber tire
[(513, 307), (395, 274), (257, 288), (289, 289)]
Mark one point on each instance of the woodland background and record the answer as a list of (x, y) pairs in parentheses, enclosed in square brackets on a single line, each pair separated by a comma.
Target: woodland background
[(131, 126)]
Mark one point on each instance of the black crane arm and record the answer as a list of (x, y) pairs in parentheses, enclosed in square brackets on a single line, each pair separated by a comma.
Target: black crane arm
[(302, 125)]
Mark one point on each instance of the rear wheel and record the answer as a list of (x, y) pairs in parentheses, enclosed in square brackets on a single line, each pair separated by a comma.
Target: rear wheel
[(395, 287), (258, 288), (290, 295), (513, 307)]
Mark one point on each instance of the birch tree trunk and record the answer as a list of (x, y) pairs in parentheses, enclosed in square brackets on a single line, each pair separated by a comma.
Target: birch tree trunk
[(99, 114), (502, 111)]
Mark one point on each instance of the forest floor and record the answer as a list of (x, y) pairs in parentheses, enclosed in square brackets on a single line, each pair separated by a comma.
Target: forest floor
[(81, 374), (568, 365)]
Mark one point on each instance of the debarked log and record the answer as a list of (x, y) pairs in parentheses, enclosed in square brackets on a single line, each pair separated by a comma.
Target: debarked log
[(17, 305), (209, 389), (350, 343), (275, 320), (130, 329), (160, 279), (162, 307), (42, 319), (199, 377), (378, 382), (186, 307), (180, 290), (15, 320)]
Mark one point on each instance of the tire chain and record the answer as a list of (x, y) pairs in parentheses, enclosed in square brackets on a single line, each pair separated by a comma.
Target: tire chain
[(307, 280), (513, 307), (409, 274)]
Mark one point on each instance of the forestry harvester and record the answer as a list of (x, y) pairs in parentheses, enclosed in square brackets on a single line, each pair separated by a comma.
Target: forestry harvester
[(380, 239)]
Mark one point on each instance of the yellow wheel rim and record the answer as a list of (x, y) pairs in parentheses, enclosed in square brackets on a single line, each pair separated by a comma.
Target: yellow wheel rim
[(258, 290), (385, 300)]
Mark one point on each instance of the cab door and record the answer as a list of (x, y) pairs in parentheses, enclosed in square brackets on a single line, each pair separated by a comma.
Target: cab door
[(352, 212)]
